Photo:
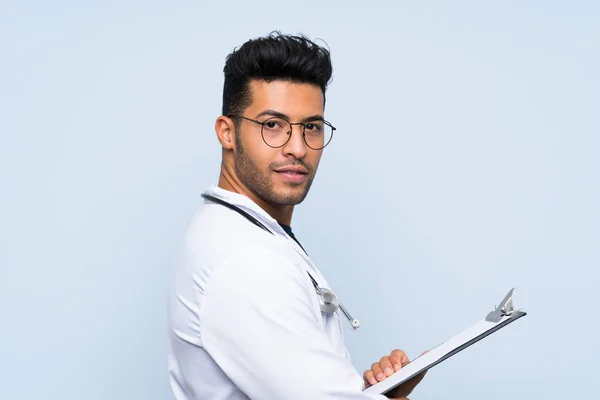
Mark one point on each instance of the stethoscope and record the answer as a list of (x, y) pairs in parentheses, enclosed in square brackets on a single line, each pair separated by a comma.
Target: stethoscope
[(329, 302)]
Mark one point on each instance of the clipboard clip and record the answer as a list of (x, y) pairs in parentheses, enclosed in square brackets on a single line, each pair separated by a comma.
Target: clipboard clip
[(504, 309)]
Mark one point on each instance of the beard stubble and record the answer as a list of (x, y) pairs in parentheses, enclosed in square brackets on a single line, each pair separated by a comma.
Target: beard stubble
[(260, 183)]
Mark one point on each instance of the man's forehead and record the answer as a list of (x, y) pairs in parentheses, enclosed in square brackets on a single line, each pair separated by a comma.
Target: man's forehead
[(295, 97)]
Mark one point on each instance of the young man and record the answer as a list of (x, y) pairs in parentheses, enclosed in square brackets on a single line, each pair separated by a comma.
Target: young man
[(247, 315)]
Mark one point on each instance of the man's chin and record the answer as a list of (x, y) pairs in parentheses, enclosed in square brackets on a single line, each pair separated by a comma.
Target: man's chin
[(290, 197)]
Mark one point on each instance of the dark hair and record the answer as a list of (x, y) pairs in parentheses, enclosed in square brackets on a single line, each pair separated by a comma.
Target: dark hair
[(270, 58)]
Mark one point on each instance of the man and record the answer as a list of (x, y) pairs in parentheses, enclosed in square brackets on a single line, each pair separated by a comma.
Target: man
[(246, 312)]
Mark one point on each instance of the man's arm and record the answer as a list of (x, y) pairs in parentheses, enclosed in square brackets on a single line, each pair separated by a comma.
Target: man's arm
[(260, 326)]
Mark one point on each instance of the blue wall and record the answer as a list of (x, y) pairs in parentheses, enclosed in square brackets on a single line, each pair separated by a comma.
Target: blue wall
[(465, 163)]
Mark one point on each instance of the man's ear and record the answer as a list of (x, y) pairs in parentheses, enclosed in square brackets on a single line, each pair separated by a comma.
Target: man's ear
[(225, 129)]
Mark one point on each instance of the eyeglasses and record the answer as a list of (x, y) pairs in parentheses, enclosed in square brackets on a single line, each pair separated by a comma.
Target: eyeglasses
[(277, 131)]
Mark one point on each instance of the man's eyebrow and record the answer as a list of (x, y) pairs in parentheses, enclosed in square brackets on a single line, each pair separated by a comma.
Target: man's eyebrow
[(278, 114), (272, 113), (316, 117)]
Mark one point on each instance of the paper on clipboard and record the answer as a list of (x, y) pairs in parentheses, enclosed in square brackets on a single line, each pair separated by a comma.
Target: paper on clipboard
[(503, 315)]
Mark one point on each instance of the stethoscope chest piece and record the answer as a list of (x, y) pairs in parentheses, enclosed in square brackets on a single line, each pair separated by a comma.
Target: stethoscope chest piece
[(329, 301)]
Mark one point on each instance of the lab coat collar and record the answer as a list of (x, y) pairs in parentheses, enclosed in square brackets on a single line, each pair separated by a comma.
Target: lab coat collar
[(244, 203)]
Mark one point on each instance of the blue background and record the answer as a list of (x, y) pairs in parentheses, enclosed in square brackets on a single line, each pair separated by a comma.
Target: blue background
[(465, 163)]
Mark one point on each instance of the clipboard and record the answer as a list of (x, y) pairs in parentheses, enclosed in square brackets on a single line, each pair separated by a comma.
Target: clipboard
[(503, 315)]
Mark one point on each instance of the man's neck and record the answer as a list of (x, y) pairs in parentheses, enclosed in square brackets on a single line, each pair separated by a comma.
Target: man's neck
[(281, 213)]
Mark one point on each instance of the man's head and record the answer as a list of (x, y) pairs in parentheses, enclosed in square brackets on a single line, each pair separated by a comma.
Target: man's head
[(269, 82)]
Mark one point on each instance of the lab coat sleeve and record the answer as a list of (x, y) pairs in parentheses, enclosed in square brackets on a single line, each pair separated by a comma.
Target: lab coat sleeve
[(260, 326)]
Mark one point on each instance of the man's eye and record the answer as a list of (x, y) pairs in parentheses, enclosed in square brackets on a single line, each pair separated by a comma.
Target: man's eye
[(313, 127), (271, 125)]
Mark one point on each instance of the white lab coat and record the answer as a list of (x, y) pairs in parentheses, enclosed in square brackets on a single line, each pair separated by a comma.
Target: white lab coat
[(244, 317)]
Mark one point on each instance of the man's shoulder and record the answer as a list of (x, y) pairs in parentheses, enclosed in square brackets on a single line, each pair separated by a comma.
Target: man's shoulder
[(216, 235), (220, 240), (215, 227)]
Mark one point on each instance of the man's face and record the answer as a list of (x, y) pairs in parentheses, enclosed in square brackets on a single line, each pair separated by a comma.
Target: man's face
[(278, 175)]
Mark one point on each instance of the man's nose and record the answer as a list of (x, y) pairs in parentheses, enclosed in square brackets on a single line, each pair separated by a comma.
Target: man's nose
[(296, 146)]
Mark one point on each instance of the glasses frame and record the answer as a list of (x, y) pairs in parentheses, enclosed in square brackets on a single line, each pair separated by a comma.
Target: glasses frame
[(302, 124)]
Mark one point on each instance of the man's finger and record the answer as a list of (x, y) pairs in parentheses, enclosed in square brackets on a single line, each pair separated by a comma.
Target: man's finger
[(369, 378), (386, 365), (399, 359), (378, 372)]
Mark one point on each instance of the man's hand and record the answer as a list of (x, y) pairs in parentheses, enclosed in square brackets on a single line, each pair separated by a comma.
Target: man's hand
[(386, 367)]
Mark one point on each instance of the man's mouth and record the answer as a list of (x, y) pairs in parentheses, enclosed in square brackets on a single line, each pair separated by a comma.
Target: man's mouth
[(292, 173), (297, 169)]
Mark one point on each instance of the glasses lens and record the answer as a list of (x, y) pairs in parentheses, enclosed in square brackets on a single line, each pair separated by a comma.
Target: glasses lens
[(317, 134), (275, 131)]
